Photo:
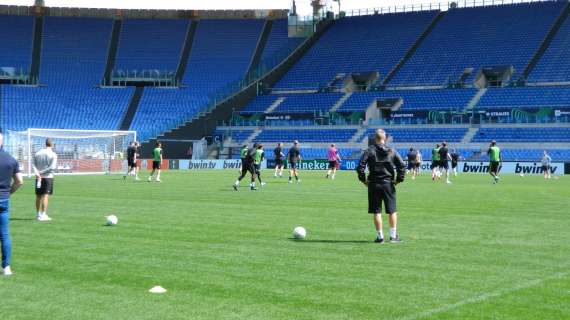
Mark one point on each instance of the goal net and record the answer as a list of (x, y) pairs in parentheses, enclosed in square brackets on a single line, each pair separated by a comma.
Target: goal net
[(78, 151)]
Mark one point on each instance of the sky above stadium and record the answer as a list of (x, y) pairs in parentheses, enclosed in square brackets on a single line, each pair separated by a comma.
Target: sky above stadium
[(303, 6)]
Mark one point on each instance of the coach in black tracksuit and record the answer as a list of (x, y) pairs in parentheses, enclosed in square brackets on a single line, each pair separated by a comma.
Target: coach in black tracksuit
[(386, 170)]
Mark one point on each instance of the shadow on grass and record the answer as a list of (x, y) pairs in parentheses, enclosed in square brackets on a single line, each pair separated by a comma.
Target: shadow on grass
[(22, 219), (328, 241)]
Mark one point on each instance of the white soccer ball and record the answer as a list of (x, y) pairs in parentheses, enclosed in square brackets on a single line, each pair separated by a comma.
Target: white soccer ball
[(299, 233), (112, 220)]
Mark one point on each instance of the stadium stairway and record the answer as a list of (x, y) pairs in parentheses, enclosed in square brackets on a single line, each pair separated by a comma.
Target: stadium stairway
[(252, 137), (186, 50), (546, 42), (275, 104), (413, 48), (261, 42), (132, 109), (340, 102), (37, 47), (469, 135), (358, 136), (476, 98), (113, 46)]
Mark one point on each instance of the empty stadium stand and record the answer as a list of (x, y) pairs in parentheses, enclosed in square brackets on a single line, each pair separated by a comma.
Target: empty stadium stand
[(294, 103), (16, 33), (438, 99), (310, 135), (151, 44), (542, 135), (549, 68), (525, 97), (479, 37), (357, 44)]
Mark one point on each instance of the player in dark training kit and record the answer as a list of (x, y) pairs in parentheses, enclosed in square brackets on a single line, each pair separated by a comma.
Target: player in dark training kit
[(247, 165), (294, 156), (455, 158), (413, 162), (444, 160), (132, 156), (386, 170), (279, 160)]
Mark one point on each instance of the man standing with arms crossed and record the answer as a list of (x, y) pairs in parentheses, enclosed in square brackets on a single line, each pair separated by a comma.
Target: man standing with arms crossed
[(386, 170), (10, 180), (44, 165), (494, 161)]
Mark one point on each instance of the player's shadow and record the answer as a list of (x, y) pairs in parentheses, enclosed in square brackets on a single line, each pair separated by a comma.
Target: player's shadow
[(328, 241), (22, 219)]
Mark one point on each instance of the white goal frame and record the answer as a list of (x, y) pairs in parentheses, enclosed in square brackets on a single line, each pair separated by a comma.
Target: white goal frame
[(107, 149)]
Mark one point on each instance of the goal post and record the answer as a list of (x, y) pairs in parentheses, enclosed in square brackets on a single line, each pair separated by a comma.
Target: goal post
[(78, 151)]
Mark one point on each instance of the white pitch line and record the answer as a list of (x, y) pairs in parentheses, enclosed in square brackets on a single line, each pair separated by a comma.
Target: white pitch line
[(483, 297)]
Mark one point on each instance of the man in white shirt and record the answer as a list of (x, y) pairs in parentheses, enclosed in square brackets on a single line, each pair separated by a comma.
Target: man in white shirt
[(45, 163)]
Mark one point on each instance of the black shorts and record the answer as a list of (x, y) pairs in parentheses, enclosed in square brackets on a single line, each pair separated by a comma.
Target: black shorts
[(434, 164), (412, 165), (46, 187), (257, 167), (333, 164), (453, 164), (417, 165), (132, 163), (246, 167), (381, 192), (545, 168), (278, 162), (494, 166), (156, 165), (444, 164), (292, 165)]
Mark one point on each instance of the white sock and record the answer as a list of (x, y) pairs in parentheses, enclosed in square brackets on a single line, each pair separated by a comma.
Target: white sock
[(332, 176), (236, 183), (393, 233), (39, 213), (380, 234)]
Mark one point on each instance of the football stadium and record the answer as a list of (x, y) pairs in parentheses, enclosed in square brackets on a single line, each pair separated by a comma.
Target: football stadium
[(309, 159)]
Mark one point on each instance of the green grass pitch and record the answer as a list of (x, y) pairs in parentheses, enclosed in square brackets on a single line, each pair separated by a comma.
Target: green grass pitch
[(472, 250)]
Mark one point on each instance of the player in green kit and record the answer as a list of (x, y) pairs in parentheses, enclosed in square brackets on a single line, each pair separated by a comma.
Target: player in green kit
[(494, 161), (258, 156), (435, 163), (156, 162)]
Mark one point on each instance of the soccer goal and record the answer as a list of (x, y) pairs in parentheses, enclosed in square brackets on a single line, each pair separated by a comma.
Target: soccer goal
[(78, 151)]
